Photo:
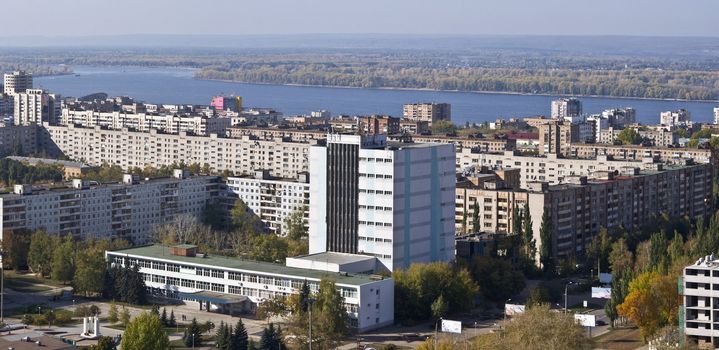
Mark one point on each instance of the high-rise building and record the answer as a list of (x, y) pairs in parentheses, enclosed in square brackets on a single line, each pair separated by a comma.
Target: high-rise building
[(223, 103), (35, 106), (674, 118), (620, 117), (556, 136), (17, 82), (700, 309), (428, 112), (394, 200), (566, 108), (378, 124), (716, 115)]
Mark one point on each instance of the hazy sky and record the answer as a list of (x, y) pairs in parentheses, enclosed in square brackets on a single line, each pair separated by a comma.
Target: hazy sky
[(616, 17)]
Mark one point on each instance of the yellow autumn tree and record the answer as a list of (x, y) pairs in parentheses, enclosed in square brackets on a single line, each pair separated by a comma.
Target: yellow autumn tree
[(652, 302)]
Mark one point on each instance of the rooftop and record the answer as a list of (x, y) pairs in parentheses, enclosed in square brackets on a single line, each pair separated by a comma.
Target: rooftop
[(160, 252), (335, 258), (35, 161)]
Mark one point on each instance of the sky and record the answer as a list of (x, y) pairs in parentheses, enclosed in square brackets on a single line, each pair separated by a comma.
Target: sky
[(253, 17)]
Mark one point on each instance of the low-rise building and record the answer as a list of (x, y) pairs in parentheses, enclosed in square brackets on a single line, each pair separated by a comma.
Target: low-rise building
[(234, 285), (273, 200), (130, 209)]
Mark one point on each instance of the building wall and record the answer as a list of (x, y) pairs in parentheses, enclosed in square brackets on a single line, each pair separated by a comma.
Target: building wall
[(370, 305), (122, 210), (701, 310), (129, 149), (35, 106), (24, 135), (196, 124), (428, 112), (634, 152), (16, 82)]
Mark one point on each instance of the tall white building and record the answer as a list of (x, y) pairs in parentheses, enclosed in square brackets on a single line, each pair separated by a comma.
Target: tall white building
[(16, 82), (701, 310), (566, 108), (35, 106), (620, 117), (272, 199), (394, 201), (169, 123), (716, 115), (674, 118)]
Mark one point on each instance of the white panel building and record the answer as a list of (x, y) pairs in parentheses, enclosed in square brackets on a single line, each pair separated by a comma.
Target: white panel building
[(701, 304), (272, 199), (394, 201)]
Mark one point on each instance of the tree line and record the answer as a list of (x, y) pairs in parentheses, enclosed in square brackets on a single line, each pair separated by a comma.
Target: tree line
[(16, 172)]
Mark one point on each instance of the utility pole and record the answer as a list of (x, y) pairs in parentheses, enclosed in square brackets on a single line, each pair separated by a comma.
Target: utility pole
[(310, 301)]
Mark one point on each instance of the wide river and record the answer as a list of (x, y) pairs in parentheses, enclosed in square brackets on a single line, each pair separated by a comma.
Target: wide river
[(176, 85)]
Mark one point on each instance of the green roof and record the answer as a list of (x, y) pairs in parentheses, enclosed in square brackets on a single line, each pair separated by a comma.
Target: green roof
[(184, 246), (161, 252)]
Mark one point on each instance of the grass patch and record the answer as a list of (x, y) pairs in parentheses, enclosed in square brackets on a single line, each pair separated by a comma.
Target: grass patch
[(28, 278), (24, 287), (619, 339), (379, 346)]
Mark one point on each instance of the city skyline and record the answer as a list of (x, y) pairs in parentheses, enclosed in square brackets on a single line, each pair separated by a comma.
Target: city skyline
[(279, 17)]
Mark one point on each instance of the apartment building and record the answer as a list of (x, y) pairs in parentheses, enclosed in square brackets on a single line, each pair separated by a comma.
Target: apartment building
[(168, 123), (283, 157), (557, 136), (427, 112), (669, 155), (130, 209), (391, 200), (675, 118), (16, 82), (414, 127), (461, 143), (273, 133), (700, 306), (658, 138), (35, 106), (272, 199), (716, 115), (580, 207), (14, 136), (550, 168), (379, 124), (566, 108)]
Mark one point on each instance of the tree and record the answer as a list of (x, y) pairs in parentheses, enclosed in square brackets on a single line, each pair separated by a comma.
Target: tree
[(239, 337), (331, 315), (222, 337), (541, 328), (172, 322), (243, 220), (269, 247), (271, 307), (15, 245), (125, 316), (89, 272), (193, 335), (658, 252), (600, 248), (145, 332), (63, 266), (629, 136), (546, 251), (496, 277), (475, 217), (516, 222), (163, 317), (620, 258), (652, 302), (530, 246), (104, 343), (443, 127), (271, 338), (439, 308), (113, 314), (40, 256), (417, 287), (295, 225)]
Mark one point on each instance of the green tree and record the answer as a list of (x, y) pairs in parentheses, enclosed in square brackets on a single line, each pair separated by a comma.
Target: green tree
[(272, 307), (530, 246), (516, 222), (63, 265), (104, 343), (145, 332), (271, 338), (295, 225), (90, 271), (439, 307), (475, 217), (222, 337), (42, 249), (113, 314), (331, 315), (172, 322), (193, 335), (629, 136), (125, 316), (243, 219), (620, 258), (163, 317), (269, 247), (240, 340), (15, 245), (599, 249), (546, 251), (443, 127), (658, 252), (496, 277)]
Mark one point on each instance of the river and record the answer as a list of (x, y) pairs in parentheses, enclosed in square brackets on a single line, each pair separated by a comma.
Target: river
[(177, 86)]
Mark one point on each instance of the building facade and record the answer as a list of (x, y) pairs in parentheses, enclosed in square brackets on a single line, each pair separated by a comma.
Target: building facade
[(427, 112), (16, 82), (273, 200), (369, 300), (130, 209), (674, 118), (35, 106), (699, 283), (390, 200), (566, 108), (283, 157), (716, 115), (168, 123), (555, 137), (14, 138)]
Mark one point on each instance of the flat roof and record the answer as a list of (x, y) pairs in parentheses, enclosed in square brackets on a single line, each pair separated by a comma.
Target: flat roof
[(335, 258), (35, 161), (161, 252)]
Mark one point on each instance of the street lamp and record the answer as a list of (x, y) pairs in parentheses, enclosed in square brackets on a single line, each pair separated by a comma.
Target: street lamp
[(435, 332), (309, 302), (566, 286), (193, 339)]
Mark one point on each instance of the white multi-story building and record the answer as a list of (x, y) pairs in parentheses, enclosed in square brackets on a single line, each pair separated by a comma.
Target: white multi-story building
[(716, 115), (233, 285), (679, 117), (427, 112), (169, 123), (128, 149), (130, 209), (620, 117), (700, 283), (272, 199), (394, 201), (566, 108), (35, 106), (16, 82)]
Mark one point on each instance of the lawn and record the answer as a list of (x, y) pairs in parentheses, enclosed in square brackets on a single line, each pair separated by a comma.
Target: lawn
[(619, 339), (31, 279)]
